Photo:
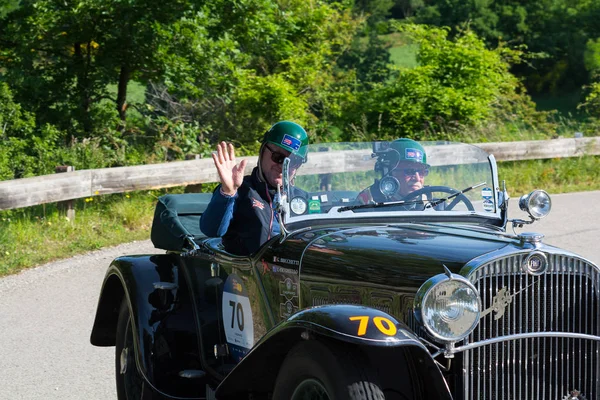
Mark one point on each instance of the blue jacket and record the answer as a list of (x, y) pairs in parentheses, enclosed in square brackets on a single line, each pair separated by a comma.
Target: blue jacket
[(246, 220)]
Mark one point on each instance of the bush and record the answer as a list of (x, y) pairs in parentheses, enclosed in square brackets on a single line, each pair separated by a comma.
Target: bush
[(457, 83)]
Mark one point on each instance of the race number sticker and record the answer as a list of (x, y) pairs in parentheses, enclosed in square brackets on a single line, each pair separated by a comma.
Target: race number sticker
[(237, 317)]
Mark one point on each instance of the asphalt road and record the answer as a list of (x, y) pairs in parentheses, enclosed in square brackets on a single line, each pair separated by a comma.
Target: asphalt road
[(46, 313)]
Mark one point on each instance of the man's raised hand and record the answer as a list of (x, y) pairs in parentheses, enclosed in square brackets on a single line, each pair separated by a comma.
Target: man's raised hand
[(230, 173)]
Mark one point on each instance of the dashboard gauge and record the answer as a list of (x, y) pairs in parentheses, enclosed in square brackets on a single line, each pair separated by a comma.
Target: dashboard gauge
[(298, 205)]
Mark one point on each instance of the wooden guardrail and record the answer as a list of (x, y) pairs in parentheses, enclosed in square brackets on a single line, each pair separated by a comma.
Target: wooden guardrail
[(27, 192)]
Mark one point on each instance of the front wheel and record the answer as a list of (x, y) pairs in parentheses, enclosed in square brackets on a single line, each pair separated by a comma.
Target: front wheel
[(129, 380), (314, 371)]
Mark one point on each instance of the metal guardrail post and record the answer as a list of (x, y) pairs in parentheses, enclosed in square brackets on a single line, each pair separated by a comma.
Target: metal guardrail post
[(66, 205)]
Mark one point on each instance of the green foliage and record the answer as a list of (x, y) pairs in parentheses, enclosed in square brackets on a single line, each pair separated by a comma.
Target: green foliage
[(24, 149), (556, 31), (212, 71), (592, 55), (13, 119), (369, 58), (591, 103), (28, 150), (377, 10), (458, 82), (226, 70), (236, 71), (7, 6), (74, 50), (406, 8)]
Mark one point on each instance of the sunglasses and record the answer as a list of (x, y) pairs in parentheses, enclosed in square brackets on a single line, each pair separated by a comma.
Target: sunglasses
[(278, 158), (414, 171)]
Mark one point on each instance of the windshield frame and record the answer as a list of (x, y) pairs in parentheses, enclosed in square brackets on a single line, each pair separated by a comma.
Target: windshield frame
[(333, 216)]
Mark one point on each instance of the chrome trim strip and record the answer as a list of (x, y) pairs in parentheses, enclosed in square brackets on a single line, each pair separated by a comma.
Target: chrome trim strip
[(517, 249), (531, 335)]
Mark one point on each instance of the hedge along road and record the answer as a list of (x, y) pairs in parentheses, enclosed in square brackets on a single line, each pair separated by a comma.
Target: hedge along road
[(46, 313)]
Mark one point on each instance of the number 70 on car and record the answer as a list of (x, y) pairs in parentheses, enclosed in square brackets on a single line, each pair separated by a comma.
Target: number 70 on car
[(383, 324)]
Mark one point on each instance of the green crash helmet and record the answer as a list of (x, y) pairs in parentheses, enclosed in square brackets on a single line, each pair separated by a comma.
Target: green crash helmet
[(289, 136), (409, 150)]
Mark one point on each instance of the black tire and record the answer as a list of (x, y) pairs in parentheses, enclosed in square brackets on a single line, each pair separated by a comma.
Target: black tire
[(313, 370), (129, 380)]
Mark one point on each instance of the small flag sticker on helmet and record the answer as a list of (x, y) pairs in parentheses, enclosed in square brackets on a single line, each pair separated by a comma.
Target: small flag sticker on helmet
[(413, 154), (291, 142)]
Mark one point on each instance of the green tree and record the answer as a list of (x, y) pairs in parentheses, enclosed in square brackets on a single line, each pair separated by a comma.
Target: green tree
[(73, 50), (555, 30), (406, 8), (239, 69), (230, 66), (459, 82)]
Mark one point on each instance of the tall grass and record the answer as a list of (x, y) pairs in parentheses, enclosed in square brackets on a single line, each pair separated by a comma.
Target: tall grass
[(41, 234), (558, 175)]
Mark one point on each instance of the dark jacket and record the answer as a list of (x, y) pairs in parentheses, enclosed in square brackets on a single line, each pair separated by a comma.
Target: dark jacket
[(245, 221)]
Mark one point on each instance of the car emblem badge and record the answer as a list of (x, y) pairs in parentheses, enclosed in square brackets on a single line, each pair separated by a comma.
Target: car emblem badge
[(500, 301), (535, 263), (574, 395)]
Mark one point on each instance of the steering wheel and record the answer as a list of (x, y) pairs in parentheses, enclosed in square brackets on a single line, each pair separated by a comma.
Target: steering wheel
[(429, 190)]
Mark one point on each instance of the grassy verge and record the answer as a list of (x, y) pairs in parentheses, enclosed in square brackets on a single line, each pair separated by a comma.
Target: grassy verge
[(559, 175), (37, 235)]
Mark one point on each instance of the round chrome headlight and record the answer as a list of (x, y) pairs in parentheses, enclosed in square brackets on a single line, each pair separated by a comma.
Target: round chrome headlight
[(448, 306), (537, 204)]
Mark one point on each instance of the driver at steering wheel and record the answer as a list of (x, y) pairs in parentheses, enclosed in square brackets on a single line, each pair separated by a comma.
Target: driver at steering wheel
[(402, 166)]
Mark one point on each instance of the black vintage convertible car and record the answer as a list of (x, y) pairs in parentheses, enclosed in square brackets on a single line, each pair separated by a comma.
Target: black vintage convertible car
[(436, 296)]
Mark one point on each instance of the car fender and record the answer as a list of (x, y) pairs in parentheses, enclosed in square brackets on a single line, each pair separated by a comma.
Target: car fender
[(149, 283), (386, 340)]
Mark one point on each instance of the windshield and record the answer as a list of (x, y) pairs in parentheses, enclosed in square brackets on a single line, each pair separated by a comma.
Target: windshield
[(387, 179)]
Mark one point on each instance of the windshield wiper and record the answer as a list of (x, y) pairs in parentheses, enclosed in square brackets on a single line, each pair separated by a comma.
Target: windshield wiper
[(381, 205), (440, 201)]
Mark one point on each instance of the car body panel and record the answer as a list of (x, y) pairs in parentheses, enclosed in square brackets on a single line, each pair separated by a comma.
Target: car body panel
[(166, 340), (364, 328)]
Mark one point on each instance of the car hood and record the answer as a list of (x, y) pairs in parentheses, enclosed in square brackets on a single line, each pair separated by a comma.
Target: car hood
[(402, 254)]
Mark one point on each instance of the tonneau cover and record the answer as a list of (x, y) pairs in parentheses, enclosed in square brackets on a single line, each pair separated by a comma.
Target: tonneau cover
[(177, 216)]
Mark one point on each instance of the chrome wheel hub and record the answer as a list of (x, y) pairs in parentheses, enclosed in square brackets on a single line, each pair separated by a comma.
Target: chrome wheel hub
[(310, 389)]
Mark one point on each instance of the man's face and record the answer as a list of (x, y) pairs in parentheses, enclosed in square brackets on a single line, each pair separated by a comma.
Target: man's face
[(272, 164), (411, 176)]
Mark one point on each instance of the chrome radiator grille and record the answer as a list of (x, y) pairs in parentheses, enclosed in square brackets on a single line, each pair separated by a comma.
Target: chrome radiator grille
[(565, 299)]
